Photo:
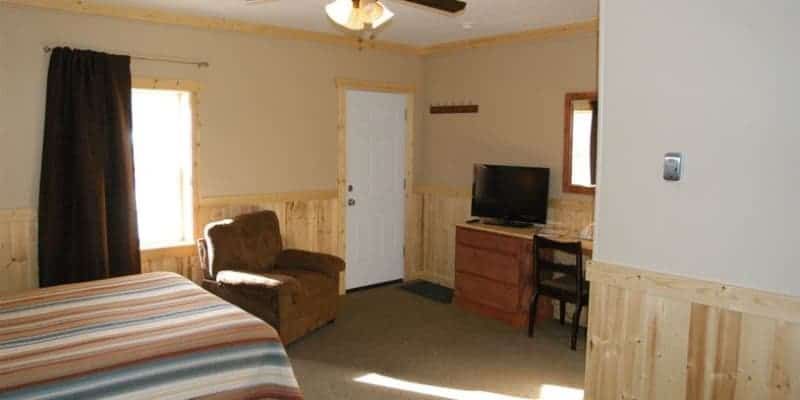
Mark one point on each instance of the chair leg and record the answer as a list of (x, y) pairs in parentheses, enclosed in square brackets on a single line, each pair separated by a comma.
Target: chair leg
[(532, 314), (562, 310), (576, 321)]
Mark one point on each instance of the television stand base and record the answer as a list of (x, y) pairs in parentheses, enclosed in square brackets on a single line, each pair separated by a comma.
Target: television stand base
[(505, 222)]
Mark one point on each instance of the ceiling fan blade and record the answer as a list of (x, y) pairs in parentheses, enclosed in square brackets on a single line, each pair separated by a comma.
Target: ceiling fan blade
[(451, 6)]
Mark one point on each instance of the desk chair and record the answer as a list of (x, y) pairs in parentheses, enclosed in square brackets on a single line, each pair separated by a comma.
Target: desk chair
[(563, 282)]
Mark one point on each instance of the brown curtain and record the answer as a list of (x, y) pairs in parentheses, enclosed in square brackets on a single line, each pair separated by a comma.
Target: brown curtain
[(593, 142), (87, 208)]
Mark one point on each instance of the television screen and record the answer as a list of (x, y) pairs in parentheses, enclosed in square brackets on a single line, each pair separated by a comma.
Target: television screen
[(511, 194)]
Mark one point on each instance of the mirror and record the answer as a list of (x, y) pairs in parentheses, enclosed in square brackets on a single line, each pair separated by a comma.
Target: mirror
[(580, 142)]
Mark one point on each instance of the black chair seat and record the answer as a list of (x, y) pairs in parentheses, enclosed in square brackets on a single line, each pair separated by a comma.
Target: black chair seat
[(565, 284)]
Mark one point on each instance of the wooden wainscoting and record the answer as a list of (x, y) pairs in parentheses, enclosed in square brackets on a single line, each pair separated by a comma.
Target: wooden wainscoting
[(440, 209), (181, 260), (657, 336), (308, 221), (434, 212), (18, 250)]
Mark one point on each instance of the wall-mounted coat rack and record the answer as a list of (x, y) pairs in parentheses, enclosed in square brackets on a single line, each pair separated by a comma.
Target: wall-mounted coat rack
[(455, 109)]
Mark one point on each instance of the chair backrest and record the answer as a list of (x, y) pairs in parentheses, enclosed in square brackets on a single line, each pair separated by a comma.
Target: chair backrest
[(548, 256), (248, 242)]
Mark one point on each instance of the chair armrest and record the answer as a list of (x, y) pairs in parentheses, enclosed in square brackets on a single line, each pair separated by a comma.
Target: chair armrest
[(318, 262), (280, 284), (202, 255)]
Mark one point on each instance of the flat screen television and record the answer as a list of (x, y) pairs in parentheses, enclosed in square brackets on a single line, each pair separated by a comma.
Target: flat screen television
[(510, 195)]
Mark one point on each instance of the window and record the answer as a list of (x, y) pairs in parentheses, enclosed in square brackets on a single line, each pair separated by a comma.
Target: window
[(580, 143), (162, 147), (582, 147)]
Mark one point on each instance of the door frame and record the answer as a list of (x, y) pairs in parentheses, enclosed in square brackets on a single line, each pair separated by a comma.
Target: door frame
[(342, 86)]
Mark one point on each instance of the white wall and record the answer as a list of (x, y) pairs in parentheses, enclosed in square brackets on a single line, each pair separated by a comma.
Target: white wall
[(268, 111), (717, 80)]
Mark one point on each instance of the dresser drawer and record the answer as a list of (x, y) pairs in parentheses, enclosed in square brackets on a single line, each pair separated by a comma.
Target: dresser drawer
[(488, 241), (487, 292), (488, 264)]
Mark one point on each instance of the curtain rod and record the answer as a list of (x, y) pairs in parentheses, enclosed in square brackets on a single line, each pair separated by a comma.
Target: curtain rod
[(199, 64)]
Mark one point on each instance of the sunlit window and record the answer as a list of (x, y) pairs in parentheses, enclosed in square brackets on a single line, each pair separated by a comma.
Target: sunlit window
[(162, 146), (582, 147)]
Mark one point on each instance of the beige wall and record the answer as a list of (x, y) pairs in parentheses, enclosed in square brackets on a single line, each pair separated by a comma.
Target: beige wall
[(722, 87), (268, 109), (520, 89)]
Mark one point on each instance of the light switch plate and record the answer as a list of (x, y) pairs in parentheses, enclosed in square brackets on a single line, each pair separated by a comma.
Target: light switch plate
[(673, 166)]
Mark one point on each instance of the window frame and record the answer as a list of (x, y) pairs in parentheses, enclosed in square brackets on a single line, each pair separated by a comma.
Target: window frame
[(194, 90), (567, 185)]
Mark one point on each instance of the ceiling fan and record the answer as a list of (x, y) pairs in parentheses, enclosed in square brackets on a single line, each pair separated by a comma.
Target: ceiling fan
[(360, 15)]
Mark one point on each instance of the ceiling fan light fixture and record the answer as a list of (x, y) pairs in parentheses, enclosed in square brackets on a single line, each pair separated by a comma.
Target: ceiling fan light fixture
[(357, 15)]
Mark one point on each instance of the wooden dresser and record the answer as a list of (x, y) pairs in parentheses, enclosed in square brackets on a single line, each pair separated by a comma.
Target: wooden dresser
[(494, 268)]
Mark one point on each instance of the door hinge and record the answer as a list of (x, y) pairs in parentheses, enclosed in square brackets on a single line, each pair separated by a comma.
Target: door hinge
[(404, 184), (405, 114), (404, 250)]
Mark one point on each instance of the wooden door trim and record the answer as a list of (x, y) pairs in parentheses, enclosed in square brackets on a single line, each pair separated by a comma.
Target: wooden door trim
[(342, 86), (195, 90)]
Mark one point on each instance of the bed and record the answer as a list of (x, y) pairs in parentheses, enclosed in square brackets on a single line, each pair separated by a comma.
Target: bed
[(146, 336)]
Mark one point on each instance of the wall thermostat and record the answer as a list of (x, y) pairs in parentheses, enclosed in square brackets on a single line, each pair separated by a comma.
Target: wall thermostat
[(673, 166)]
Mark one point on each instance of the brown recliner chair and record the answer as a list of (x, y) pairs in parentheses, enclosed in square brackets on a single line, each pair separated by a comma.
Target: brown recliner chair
[(244, 262)]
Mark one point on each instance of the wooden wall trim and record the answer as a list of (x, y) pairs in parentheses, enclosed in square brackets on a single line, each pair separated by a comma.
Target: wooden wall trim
[(268, 198), (767, 304), (194, 89), (444, 190), (141, 82), (374, 86), (27, 214), (590, 26), (209, 23), (83, 7), (17, 214), (566, 171), (175, 251), (466, 192)]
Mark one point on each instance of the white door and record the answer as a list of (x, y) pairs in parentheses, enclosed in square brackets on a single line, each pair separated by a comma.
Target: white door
[(376, 137)]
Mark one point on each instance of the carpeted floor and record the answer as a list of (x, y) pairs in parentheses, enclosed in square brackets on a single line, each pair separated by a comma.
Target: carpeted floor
[(411, 344)]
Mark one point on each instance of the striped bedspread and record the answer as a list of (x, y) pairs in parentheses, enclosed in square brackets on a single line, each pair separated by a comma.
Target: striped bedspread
[(150, 336)]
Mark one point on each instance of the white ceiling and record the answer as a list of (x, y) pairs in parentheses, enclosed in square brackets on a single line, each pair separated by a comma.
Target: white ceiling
[(412, 24)]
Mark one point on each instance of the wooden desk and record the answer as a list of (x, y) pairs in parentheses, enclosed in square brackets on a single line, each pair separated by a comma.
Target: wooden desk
[(494, 269)]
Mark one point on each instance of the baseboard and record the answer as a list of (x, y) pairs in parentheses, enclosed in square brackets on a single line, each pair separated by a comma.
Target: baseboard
[(268, 198), (430, 277), (375, 286)]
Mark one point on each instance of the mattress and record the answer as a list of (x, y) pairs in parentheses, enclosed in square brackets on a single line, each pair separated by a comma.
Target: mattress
[(149, 336)]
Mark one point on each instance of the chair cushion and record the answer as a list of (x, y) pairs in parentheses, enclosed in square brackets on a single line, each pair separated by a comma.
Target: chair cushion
[(275, 281), (249, 243)]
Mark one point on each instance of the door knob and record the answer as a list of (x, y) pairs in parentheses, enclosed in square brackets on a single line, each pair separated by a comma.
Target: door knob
[(351, 202)]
